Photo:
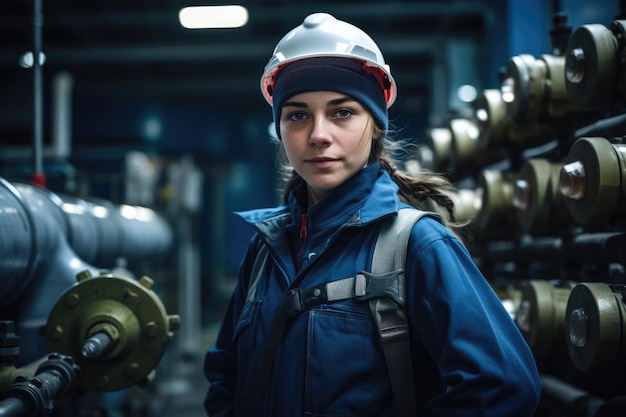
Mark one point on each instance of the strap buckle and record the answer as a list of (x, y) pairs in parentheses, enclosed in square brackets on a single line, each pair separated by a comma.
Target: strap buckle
[(368, 286), (292, 303), (299, 299)]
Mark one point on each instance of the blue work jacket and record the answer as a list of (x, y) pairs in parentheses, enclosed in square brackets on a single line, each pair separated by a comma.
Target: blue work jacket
[(469, 357)]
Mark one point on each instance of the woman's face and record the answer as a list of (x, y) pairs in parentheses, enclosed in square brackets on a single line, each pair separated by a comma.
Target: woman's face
[(327, 137)]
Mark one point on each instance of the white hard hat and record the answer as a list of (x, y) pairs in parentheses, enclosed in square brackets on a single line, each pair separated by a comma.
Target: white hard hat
[(322, 35)]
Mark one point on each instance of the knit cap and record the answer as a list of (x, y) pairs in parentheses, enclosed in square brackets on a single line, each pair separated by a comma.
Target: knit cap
[(343, 75)]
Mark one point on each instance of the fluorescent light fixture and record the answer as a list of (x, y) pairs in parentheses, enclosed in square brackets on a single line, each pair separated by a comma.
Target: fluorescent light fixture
[(212, 17)]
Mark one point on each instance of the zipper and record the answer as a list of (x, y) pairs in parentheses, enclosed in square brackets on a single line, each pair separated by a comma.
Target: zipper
[(304, 235)]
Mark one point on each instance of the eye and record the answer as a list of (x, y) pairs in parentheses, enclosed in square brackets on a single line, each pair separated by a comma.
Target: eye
[(343, 113), (295, 116)]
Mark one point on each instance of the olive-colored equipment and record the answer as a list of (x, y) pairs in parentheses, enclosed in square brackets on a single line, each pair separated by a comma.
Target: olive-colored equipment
[(489, 115), (534, 89), (465, 156), (467, 204), (437, 149), (496, 129), (538, 199), (496, 218), (594, 62), (115, 328), (541, 315), (595, 326), (454, 149), (531, 108), (592, 180)]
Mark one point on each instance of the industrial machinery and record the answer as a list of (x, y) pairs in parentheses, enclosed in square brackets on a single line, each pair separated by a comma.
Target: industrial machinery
[(83, 327), (541, 177), (543, 159)]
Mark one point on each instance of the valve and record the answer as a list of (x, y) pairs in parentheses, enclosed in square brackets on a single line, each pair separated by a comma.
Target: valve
[(532, 106), (496, 218), (489, 114), (534, 89), (537, 198), (455, 149), (467, 204), (595, 326), (592, 179), (116, 328), (541, 315), (435, 154), (497, 130), (465, 155), (594, 71)]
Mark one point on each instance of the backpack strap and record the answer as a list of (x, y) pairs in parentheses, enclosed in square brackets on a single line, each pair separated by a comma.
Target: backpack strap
[(257, 267), (390, 318)]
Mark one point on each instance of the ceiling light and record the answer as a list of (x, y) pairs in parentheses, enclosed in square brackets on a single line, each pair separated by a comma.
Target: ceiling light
[(213, 17)]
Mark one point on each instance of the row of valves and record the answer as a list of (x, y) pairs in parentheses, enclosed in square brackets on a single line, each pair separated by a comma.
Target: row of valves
[(540, 169), (548, 143), (584, 321), (585, 188)]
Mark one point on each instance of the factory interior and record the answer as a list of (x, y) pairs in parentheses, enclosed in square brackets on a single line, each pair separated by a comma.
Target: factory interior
[(125, 148)]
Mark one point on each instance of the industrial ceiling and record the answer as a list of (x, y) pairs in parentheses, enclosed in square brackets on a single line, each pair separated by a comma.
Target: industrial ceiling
[(127, 48)]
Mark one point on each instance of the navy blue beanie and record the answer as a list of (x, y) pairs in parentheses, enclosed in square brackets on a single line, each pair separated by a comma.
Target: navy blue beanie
[(343, 75)]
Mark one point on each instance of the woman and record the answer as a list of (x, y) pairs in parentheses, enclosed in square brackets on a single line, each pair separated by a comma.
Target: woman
[(330, 90)]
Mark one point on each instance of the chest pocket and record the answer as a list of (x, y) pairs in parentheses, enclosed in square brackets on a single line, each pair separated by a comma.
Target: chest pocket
[(345, 374)]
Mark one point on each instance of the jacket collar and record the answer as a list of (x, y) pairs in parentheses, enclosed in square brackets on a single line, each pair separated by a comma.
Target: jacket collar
[(367, 196)]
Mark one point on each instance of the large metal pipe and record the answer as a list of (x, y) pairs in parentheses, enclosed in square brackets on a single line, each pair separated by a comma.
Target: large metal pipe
[(99, 231), (17, 238), (55, 266), (47, 239)]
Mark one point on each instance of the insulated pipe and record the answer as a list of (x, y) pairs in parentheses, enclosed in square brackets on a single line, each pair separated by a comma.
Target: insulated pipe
[(47, 240), (55, 266), (16, 244), (100, 232)]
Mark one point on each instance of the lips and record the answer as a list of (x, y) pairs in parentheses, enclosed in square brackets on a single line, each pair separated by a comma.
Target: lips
[(322, 162), (321, 159)]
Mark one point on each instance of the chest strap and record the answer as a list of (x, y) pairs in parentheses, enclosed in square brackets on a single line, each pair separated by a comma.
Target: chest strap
[(363, 286)]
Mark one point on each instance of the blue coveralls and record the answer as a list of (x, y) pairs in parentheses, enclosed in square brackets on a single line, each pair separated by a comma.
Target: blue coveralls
[(469, 357)]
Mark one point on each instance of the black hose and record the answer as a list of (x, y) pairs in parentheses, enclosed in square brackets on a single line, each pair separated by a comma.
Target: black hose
[(24, 398), (566, 399), (33, 397), (14, 407)]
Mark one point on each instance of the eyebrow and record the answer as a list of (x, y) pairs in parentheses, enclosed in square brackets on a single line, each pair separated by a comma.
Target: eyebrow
[(333, 102)]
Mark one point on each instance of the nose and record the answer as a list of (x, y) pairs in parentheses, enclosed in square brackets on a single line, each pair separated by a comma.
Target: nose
[(320, 134)]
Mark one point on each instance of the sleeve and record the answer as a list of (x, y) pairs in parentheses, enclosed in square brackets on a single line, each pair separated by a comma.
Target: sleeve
[(220, 361), (482, 358)]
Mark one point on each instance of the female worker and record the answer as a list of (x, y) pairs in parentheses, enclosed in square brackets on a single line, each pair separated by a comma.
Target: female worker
[(282, 352)]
